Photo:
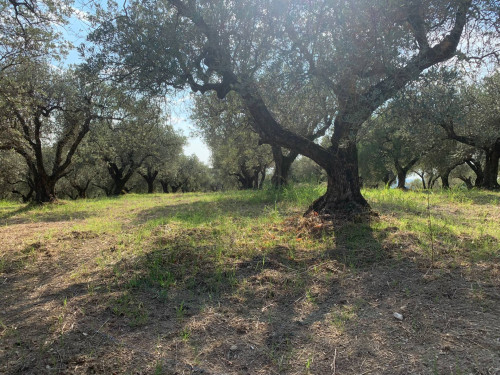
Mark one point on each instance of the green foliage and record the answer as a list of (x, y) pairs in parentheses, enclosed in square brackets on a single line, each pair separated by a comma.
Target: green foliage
[(138, 137), (294, 66), (235, 148), (29, 32), (45, 115)]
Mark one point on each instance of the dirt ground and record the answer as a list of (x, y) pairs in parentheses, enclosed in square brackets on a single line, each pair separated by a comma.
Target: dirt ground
[(309, 314)]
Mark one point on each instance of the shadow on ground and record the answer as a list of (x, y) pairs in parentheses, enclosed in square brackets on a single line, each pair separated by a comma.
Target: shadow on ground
[(38, 216), (204, 212), (187, 309)]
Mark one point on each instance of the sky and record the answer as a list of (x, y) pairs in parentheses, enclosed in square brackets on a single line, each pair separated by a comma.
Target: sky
[(76, 32)]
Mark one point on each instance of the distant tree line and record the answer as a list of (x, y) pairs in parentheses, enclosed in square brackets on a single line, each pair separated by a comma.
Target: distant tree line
[(66, 133)]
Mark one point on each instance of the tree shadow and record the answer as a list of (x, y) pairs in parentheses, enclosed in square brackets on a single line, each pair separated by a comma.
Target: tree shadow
[(53, 217), (10, 218), (484, 198), (186, 307), (7, 215), (350, 291), (204, 212)]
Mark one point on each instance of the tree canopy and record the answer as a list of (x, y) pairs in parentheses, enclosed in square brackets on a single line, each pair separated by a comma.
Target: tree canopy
[(362, 52)]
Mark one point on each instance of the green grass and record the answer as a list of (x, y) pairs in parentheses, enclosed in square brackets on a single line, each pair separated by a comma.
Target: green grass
[(177, 257), (244, 223), (196, 240)]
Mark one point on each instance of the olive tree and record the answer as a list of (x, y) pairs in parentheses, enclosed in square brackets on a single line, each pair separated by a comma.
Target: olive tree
[(44, 115), (468, 113), (364, 52), (124, 145)]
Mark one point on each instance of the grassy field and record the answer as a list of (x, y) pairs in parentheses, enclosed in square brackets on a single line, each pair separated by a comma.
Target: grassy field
[(241, 283)]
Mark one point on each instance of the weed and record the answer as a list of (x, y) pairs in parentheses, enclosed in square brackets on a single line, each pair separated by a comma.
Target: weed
[(179, 311), (159, 369), (127, 306), (341, 315), (310, 297), (309, 363), (185, 334)]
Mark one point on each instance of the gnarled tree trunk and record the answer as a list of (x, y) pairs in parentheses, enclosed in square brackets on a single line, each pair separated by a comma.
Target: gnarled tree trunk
[(149, 177), (164, 186), (81, 189), (491, 167), (445, 174), (45, 188), (402, 171), (119, 178), (476, 167), (343, 191), (388, 179), (282, 166)]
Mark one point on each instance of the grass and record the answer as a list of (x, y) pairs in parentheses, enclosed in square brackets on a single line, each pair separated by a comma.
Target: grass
[(187, 267)]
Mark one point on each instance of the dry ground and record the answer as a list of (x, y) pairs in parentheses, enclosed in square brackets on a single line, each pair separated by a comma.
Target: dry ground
[(240, 284)]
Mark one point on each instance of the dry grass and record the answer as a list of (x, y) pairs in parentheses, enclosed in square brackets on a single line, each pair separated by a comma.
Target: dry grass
[(239, 283)]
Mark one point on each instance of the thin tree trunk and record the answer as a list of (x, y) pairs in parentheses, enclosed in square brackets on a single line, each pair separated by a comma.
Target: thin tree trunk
[(422, 178), (388, 179), (432, 181), (262, 178)]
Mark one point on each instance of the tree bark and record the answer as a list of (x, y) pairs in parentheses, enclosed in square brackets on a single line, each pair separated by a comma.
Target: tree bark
[(476, 167), (119, 178), (343, 193), (422, 178), (262, 178), (467, 181), (424, 183), (256, 178), (445, 179), (491, 168), (164, 186), (432, 181), (81, 189), (339, 160), (402, 179), (248, 179), (282, 166), (388, 179), (445, 174), (176, 187), (402, 171), (45, 188), (118, 187), (489, 175), (25, 197), (149, 177)]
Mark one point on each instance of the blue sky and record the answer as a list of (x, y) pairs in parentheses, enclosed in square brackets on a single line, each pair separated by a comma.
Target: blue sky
[(76, 32)]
